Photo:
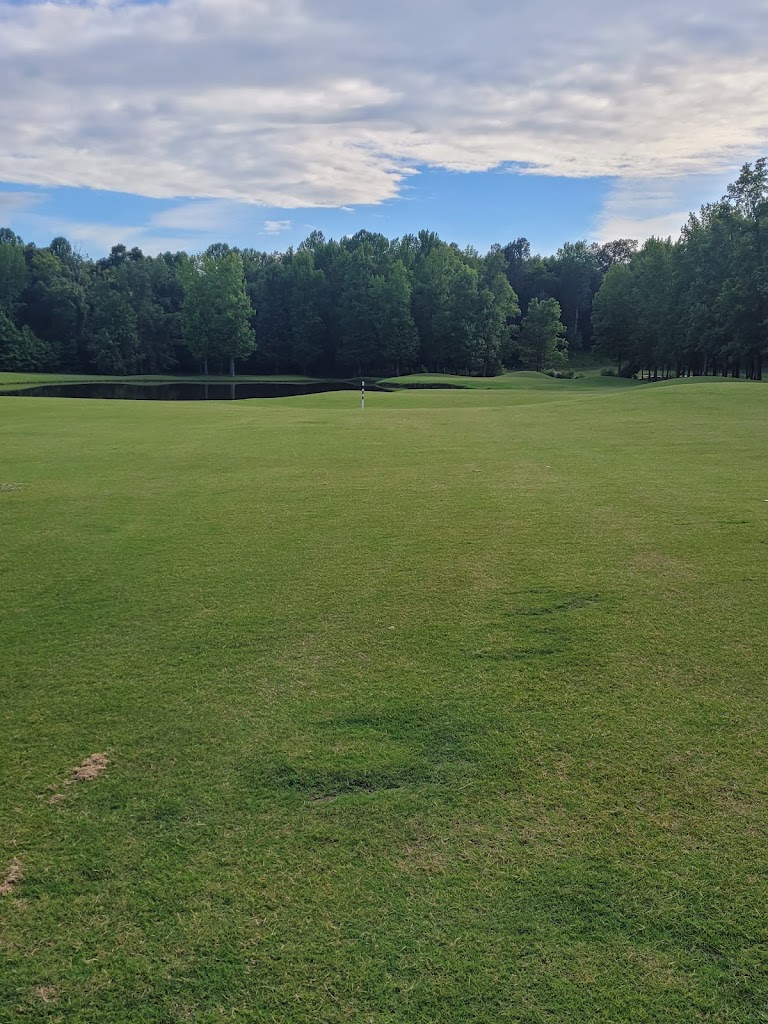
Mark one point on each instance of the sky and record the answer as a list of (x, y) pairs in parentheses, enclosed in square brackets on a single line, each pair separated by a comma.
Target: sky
[(174, 124)]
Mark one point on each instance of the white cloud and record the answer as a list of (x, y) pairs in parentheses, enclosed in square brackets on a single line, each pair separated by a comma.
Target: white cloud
[(159, 234), (13, 202), (641, 207), (198, 217), (275, 227), (298, 103), (96, 238)]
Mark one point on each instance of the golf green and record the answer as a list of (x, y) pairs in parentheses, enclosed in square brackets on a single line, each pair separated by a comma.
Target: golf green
[(449, 711)]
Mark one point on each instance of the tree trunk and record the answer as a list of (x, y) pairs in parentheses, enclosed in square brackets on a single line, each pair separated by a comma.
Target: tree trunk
[(231, 366), (205, 367)]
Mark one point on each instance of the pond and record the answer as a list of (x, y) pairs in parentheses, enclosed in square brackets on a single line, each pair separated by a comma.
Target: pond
[(183, 391)]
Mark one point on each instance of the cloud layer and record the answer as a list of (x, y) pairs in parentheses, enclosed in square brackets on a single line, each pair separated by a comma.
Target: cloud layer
[(300, 103)]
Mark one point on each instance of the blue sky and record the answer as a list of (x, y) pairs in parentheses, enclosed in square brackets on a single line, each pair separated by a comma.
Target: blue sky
[(469, 208), (175, 124)]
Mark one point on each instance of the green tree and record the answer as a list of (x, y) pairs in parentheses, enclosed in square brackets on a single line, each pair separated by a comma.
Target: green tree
[(542, 333), (652, 270), (13, 270), (499, 311), (441, 321), (112, 334), (271, 298), (142, 282), (396, 335), (216, 312), (20, 350), (461, 321), (56, 305), (577, 273), (748, 197), (614, 315), (619, 252), (357, 350), (699, 265), (306, 286)]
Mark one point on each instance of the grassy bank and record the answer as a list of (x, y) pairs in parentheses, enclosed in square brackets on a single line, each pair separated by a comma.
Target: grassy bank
[(522, 380), (451, 711)]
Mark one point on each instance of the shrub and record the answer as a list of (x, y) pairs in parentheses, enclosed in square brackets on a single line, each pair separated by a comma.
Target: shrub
[(564, 374), (630, 370), (608, 371)]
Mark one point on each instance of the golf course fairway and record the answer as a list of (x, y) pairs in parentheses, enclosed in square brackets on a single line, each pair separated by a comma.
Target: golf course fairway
[(446, 712)]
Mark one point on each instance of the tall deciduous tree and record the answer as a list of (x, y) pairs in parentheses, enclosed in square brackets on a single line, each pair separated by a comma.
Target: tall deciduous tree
[(499, 310), (542, 333), (20, 350), (13, 270), (55, 305), (652, 271), (748, 195), (615, 316), (576, 271), (216, 312), (358, 331), (112, 335), (306, 287), (396, 335)]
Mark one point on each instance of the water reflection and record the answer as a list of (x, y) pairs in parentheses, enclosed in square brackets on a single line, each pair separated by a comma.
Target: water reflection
[(186, 392)]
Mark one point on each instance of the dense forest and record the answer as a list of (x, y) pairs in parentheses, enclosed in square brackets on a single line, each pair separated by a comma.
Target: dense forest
[(370, 305)]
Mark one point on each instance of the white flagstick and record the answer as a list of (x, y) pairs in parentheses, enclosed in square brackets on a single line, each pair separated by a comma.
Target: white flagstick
[(362, 397)]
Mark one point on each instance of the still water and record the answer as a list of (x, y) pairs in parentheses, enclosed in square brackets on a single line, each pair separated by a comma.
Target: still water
[(182, 392)]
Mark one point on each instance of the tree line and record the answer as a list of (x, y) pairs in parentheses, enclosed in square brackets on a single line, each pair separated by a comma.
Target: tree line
[(370, 305), (362, 305), (699, 305)]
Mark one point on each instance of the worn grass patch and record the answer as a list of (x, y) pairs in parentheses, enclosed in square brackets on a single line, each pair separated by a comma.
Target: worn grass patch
[(12, 878), (452, 711)]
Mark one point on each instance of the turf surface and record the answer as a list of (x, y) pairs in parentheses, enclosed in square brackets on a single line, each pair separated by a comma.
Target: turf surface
[(451, 711)]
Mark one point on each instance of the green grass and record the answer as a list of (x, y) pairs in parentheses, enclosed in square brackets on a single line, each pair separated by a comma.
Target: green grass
[(523, 380), (452, 711)]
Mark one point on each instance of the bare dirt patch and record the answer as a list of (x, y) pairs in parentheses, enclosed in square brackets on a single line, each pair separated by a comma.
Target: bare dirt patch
[(46, 993), (12, 878), (91, 768)]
